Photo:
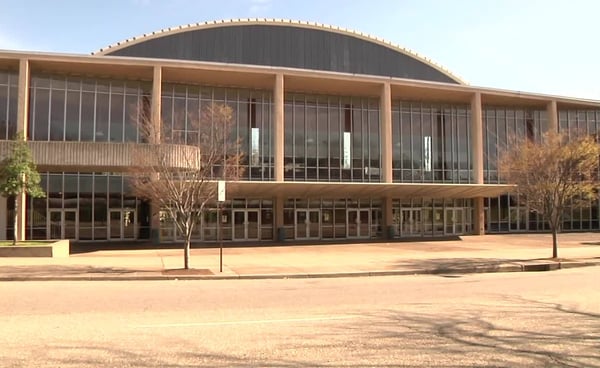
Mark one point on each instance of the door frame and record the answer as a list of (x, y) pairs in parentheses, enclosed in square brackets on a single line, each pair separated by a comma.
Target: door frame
[(412, 226), (358, 235), (62, 212), (307, 224), (245, 211), (454, 211), (121, 230)]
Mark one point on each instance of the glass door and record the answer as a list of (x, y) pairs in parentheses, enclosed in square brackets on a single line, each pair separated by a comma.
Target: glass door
[(121, 224), (252, 225), (55, 224), (301, 224), (411, 222), (314, 224), (358, 223), (128, 224), (114, 224), (308, 224), (245, 225), (70, 224), (239, 220), (454, 221), (62, 224)]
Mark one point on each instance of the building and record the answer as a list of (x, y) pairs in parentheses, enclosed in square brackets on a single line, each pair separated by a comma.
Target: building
[(345, 135)]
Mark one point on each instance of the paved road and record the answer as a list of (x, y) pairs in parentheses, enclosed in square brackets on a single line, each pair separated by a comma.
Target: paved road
[(512, 320)]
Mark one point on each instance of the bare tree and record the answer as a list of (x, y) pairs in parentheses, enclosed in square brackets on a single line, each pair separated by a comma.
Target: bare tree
[(180, 179), (553, 175)]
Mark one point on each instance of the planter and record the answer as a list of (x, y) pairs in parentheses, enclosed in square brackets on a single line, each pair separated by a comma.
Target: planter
[(58, 249)]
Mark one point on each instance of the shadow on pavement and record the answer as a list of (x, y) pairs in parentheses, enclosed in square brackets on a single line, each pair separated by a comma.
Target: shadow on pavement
[(454, 265), (590, 243), (83, 247), (71, 270)]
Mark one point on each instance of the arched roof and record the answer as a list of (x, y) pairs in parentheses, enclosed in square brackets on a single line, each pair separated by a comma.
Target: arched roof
[(283, 43)]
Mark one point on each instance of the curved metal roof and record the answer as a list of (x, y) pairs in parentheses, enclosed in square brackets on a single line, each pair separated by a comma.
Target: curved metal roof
[(119, 47)]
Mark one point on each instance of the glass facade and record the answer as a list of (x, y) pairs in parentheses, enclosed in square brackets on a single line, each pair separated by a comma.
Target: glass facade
[(182, 107), (501, 126), (509, 213), (8, 104), (580, 122), (327, 138), (431, 143), (316, 218), (86, 206), (425, 217), (237, 220), (331, 138), (87, 110)]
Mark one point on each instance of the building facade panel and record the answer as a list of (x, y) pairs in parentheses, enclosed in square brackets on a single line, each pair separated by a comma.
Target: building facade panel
[(332, 138), (431, 143), (252, 122), (285, 46), (86, 109), (8, 104)]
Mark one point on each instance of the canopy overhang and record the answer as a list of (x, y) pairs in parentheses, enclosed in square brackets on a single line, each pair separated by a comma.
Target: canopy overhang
[(296, 189)]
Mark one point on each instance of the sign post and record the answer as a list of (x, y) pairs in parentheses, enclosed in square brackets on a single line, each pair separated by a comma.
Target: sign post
[(220, 199)]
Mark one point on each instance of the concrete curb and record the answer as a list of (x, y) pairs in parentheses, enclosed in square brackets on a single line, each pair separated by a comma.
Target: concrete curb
[(506, 267)]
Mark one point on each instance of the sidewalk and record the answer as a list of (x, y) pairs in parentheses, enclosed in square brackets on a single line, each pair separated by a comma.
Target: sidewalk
[(469, 254)]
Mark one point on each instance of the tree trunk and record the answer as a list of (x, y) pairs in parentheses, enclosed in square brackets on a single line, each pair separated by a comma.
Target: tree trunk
[(554, 243), (16, 218), (186, 253)]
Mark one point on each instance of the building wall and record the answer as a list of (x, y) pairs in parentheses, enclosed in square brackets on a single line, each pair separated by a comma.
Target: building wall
[(346, 129)]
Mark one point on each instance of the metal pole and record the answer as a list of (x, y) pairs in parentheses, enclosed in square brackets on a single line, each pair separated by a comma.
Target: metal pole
[(220, 238)]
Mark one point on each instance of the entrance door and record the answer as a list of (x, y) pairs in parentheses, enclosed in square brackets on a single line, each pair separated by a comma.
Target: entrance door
[(411, 222), (308, 224), (358, 223), (245, 225), (454, 221), (62, 224), (121, 224)]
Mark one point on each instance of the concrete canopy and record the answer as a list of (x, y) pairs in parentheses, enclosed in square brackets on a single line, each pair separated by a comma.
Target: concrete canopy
[(363, 190)]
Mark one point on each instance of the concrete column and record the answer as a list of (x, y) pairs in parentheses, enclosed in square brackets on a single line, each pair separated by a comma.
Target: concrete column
[(388, 217), (23, 127), (277, 216), (477, 159), (23, 98), (278, 124), (386, 132), (552, 112), (3, 218), (155, 120), (155, 113)]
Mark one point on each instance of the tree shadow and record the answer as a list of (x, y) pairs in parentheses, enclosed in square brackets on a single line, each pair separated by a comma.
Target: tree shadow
[(189, 355), (454, 265), (512, 332), (553, 334), (66, 271)]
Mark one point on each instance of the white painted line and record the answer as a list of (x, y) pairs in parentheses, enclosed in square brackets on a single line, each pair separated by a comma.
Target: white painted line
[(248, 322)]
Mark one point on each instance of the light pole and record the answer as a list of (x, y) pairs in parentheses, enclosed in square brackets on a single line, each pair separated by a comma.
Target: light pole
[(220, 200)]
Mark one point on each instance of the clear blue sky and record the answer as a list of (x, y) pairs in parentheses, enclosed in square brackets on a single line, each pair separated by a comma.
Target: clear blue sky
[(543, 46)]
